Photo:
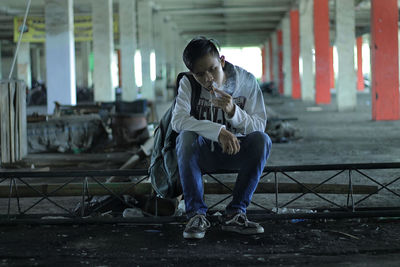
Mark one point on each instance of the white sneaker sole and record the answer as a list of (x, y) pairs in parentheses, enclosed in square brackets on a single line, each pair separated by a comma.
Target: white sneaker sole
[(252, 231), (193, 235)]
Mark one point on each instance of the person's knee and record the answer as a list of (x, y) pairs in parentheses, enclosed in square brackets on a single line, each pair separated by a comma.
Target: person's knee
[(186, 142), (261, 143)]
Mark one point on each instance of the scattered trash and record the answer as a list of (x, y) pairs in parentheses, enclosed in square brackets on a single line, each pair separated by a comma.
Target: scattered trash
[(107, 214), (286, 210), (345, 234), (132, 213), (54, 218), (152, 231), (314, 109), (281, 131), (297, 220)]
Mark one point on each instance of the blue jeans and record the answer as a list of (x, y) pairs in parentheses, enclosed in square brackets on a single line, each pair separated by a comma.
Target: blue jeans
[(195, 158)]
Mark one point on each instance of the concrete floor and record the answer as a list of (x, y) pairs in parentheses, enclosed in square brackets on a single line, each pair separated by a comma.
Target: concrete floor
[(324, 136)]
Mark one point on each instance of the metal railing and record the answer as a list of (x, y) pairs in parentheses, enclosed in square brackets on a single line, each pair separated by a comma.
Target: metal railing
[(86, 183)]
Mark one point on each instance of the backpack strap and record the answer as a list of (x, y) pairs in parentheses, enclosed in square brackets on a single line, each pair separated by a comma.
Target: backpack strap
[(196, 90)]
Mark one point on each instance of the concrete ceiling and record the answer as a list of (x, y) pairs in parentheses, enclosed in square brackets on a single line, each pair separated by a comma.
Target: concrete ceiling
[(232, 22)]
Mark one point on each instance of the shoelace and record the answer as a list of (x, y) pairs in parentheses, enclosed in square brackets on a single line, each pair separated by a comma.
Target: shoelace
[(237, 217), (198, 221)]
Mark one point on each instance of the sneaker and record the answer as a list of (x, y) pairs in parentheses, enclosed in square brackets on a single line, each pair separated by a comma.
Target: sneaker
[(240, 224), (196, 227)]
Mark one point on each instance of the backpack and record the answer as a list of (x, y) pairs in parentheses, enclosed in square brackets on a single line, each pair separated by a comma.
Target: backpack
[(163, 170)]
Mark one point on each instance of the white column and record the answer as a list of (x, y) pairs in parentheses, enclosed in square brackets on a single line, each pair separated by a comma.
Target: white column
[(1, 76), (275, 58), (160, 48), (306, 47), (24, 64), (36, 64), (179, 47), (266, 62), (60, 53), (103, 48), (128, 44), (145, 15), (170, 43), (287, 56), (345, 40)]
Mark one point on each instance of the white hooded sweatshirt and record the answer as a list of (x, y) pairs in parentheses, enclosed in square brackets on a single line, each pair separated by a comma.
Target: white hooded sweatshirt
[(249, 116)]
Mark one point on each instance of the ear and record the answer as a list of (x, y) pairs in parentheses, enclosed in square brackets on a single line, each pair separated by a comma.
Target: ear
[(222, 60)]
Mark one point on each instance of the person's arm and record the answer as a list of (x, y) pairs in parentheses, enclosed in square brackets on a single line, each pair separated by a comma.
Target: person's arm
[(181, 119), (253, 117)]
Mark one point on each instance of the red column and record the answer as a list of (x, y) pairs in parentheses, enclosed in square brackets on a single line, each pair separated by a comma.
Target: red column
[(263, 78), (295, 43), (321, 33), (360, 77), (271, 62), (331, 70), (280, 61), (384, 60)]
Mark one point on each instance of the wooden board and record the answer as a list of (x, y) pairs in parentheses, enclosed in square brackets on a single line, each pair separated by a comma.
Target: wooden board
[(11, 113), (23, 137), (14, 142), (4, 122)]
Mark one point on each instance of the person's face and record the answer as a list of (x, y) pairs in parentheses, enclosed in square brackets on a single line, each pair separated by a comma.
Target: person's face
[(209, 69)]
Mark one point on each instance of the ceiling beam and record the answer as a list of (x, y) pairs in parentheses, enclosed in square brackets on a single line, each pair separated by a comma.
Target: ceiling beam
[(223, 10), (228, 27), (229, 19)]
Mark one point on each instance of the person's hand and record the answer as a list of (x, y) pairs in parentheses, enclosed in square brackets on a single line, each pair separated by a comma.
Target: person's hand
[(224, 101), (229, 142)]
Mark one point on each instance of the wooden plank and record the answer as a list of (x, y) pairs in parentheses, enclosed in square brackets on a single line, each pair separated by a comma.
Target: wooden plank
[(75, 189), (16, 123), (4, 107), (11, 113), (22, 124)]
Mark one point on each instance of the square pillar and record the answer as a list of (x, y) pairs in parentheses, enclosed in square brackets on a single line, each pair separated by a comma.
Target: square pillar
[(287, 65), (264, 71), (60, 53), (160, 53), (103, 49), (331, 68), (384, 60), (322, 42), (271, 61), (280, 60), (306, 48), (145, 16), (1, 76), (295, 53), (128, 44), (275, 55), (266, 61), (24, 64), (360, 76), (345, 40)]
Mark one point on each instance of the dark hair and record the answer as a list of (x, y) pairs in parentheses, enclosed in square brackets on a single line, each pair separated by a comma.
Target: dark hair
[(197, 48)]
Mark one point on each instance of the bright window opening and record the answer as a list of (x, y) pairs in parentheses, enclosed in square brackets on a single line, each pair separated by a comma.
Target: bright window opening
[(249, 58), (138, 68)]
